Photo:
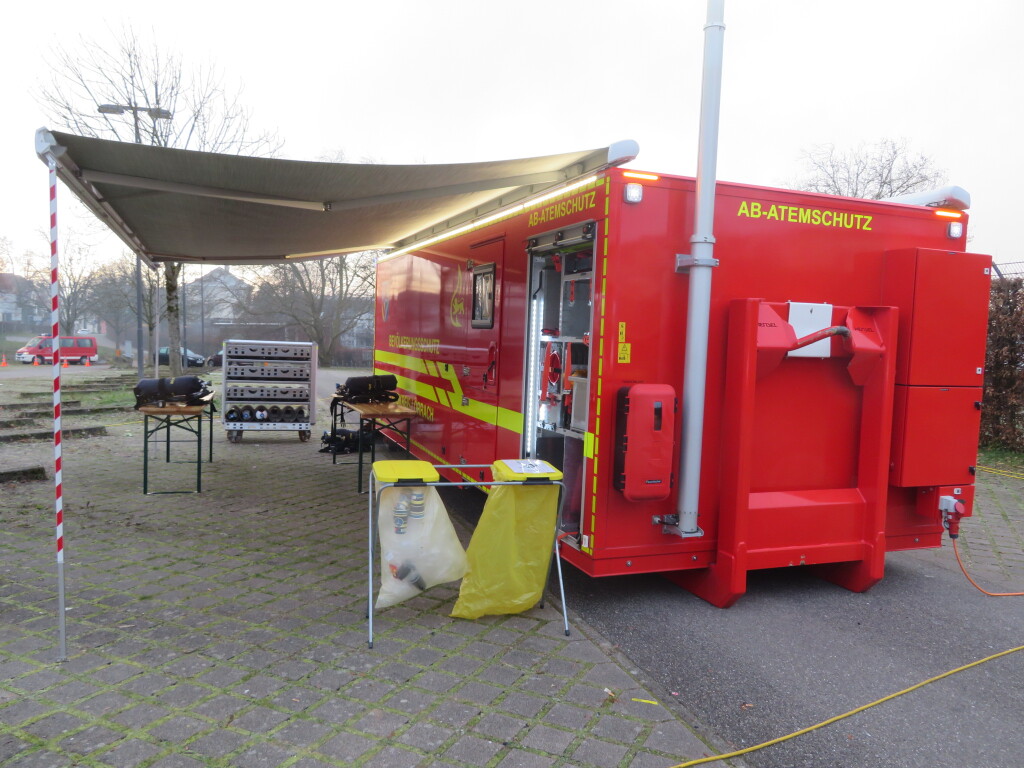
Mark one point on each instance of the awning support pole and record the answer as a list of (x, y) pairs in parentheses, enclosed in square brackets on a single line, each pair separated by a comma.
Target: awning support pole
[(699, 265), (62, 653)]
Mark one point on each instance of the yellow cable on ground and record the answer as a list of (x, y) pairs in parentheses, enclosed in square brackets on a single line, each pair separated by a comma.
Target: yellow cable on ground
[(837, 718), (1004, 472)]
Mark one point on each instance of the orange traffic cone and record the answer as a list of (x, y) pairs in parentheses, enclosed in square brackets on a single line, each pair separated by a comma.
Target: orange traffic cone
[(35, 361), (87, 363), (65, 364), (3, 362)]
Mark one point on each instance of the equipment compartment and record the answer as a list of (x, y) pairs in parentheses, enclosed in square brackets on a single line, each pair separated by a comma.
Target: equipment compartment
[(269, 386)]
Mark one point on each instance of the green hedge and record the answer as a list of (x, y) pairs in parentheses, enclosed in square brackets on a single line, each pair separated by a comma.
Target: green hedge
[(1002, 420)]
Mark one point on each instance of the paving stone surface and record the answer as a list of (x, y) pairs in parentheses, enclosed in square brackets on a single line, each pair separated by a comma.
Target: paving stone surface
[(228, 628)]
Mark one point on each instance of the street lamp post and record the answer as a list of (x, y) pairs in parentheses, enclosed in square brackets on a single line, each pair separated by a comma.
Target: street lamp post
[(156, 113), (202, 313), (184, 320)]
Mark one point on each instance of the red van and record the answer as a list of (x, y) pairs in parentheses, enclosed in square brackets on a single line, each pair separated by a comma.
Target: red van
[(74, 349)]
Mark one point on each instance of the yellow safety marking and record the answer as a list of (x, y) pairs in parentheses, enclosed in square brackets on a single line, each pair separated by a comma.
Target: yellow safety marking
[(490, 414), (442, 397), (418, 388), (510, 420), (591, 441), (625, 352), (417, 364), (646, 701), (622, 332)]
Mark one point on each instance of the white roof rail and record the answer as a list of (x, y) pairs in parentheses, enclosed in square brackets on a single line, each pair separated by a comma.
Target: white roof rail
[(944, 197)]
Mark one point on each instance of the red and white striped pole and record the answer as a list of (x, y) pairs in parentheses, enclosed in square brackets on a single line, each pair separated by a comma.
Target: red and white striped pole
[(57, 461)]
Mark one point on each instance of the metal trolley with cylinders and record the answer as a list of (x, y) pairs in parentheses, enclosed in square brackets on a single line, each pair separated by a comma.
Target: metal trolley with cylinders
[(269, 386)]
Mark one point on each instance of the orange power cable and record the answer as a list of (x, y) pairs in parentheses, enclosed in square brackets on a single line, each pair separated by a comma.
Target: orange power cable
[(956, 551)]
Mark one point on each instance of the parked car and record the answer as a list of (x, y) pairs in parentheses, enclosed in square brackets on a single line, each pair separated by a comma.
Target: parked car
[(189, 359), (74, 349), (216, 360)]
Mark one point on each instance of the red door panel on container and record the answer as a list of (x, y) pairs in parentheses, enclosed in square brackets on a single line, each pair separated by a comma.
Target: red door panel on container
[(943, 301), (478, 373), (935, 432)]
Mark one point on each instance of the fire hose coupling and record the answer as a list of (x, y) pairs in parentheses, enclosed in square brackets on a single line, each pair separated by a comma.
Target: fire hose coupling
[(952, 510), (824, 333)]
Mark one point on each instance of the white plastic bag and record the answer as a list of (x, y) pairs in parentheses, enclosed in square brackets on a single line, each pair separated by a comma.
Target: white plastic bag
[(418, 545)]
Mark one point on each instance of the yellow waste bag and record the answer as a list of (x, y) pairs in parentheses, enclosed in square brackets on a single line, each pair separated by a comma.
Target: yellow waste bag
[(510, 551)]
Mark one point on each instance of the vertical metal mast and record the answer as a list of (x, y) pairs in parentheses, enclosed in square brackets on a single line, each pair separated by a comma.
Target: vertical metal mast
[(699, 263), (48, 151)]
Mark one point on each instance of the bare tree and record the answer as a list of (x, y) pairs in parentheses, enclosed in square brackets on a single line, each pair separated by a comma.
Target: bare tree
[(150, 83), (112, 297), (122, 277), (5, 254), (74, 281), (884, 169), (323, 299)]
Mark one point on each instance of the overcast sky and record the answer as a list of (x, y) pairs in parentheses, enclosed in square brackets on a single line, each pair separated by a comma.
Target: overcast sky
[(409, 81)]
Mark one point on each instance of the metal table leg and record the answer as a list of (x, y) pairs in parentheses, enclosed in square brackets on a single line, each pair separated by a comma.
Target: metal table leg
[(199, 454), (145, 455)]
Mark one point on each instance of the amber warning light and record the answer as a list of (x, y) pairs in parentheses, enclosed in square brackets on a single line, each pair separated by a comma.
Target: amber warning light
[(955, 229)]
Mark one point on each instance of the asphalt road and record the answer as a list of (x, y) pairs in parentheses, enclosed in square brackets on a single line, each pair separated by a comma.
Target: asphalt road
[(796, 651)]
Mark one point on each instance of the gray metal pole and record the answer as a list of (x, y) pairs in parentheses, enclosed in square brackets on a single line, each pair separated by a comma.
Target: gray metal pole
[(700, 264), (184, 320), (138, 279), (202, 314), (138, 316)]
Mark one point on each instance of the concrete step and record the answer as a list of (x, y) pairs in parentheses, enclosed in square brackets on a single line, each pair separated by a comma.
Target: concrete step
[(31, 434), (22, 474), (16, 423), (83, 389), (38, 413), (37, 404)]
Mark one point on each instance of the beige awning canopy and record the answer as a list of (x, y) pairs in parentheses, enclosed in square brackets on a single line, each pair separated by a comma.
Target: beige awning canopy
[(181, 205)]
